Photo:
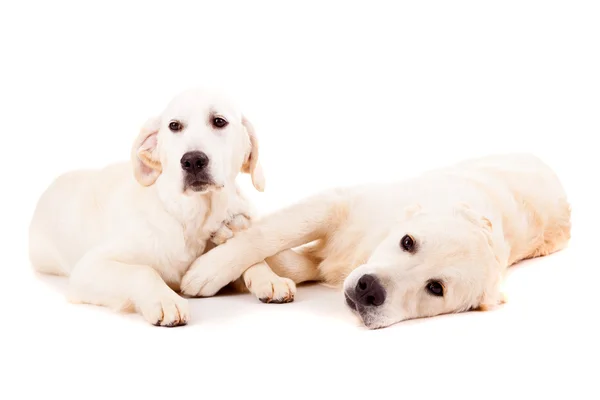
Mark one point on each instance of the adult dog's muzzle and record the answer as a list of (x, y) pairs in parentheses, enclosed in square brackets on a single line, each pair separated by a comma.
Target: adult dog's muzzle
[(366, 297), (368, 292)]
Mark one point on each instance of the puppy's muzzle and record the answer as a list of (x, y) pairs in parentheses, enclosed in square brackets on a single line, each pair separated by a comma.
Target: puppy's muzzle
[(368, 292), (196, 171), (194, 162)]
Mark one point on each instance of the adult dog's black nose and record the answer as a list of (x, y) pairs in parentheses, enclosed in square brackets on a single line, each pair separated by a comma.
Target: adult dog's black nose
[(194, 161), (369, 291)]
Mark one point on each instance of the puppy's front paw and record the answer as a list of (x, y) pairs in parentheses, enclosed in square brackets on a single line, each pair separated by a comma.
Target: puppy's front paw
[(222, 235), (237, 223), (168, 309), (276, 290)]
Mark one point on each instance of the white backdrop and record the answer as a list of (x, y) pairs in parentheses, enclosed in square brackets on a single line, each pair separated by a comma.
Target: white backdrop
[(339, 93)]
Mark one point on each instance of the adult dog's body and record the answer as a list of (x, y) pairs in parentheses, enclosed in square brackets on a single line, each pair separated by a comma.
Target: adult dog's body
[(435, 244), (126, 234)]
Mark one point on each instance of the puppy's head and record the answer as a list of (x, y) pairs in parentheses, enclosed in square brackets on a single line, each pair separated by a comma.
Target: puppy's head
[(200, 142), (429, 264)]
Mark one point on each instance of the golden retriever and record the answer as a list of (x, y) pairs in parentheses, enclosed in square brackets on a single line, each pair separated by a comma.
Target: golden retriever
[(125, 234), (435, 244)]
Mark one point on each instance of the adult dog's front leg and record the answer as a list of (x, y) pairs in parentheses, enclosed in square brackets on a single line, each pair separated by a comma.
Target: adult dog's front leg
[(267, 286), (259, 279), (105, 282), (288, 228)]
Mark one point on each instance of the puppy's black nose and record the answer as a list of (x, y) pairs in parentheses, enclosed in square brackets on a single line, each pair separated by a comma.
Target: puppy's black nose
[(194, 161), (369, 291)]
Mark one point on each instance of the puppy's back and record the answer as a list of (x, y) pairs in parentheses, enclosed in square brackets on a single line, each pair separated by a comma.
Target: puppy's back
[(70, 215)]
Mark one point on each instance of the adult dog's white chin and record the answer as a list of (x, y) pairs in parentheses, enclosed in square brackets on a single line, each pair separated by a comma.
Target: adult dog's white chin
[(373, 321), (370, 318)]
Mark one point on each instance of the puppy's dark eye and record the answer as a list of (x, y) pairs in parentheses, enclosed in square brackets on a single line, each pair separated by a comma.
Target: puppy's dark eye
[(435, 288), (219, 122), (175, 126), (407, 243)]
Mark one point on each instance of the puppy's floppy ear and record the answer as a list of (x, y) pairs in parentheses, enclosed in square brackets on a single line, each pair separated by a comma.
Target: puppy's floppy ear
[(144, 153), (251, 164)]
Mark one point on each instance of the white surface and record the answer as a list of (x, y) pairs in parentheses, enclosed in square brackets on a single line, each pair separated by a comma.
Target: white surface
[(338, 95)]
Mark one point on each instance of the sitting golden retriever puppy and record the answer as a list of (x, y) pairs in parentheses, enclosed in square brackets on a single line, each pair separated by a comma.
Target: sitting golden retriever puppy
[(439, 243)]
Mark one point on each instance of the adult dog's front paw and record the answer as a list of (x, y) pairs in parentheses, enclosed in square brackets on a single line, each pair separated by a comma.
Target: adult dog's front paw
[(271, 288), (203, 281)]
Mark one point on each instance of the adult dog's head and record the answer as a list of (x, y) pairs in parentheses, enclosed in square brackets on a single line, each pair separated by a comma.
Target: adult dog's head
[(431, 263), (199, 143)]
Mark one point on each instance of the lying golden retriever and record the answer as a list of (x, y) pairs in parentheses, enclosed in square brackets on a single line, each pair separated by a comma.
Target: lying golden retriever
[(439, 243), (126, 234)]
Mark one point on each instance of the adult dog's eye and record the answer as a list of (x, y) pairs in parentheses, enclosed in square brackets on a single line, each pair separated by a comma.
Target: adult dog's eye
[(219, 122), (435, 288), (407, 243), (175, 126)]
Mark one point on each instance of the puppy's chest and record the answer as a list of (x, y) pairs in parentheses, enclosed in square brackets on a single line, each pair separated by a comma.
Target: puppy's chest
[(196, 233), (188, 237), (179, 250)]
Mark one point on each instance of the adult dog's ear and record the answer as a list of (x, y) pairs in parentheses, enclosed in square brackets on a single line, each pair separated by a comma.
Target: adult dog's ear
[(408, 212), (412, 210), (475, 218), (144, 153), (492, 295), (251, 164)]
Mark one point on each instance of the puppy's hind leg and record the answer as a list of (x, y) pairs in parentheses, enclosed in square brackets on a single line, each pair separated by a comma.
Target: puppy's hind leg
[(43, 255), (101, 280)]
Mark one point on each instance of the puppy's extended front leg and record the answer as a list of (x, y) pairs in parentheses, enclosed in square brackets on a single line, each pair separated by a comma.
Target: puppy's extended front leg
[(290, 227), (120, 286)]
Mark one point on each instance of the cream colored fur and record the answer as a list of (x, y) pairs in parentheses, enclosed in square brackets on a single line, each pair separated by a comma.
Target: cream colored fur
[(126, 234), (470, 221)]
